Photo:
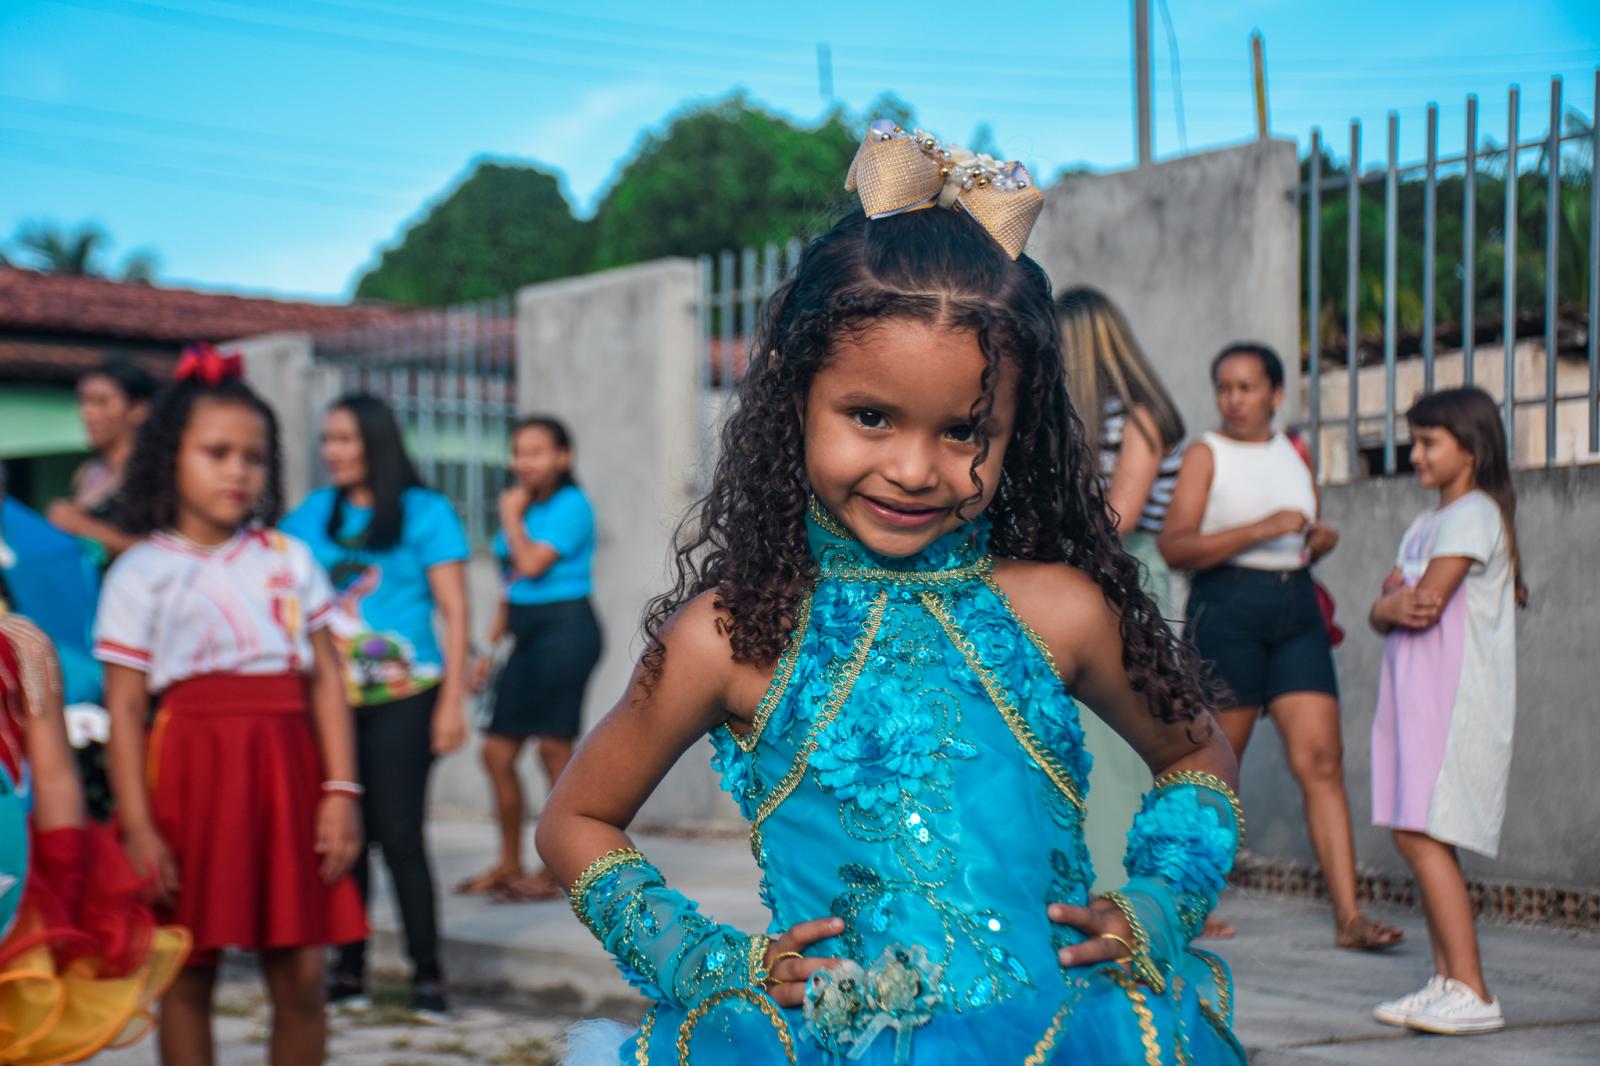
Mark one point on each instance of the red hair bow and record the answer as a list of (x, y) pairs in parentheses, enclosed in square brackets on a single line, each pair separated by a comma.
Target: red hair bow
[(203, 361)]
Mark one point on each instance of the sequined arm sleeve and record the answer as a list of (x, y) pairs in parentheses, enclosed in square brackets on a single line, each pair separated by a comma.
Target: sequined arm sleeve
[(661, 942), (1180, 850)]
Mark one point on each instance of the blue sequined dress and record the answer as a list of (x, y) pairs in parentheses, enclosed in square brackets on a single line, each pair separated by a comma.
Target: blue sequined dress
[(917, 768)]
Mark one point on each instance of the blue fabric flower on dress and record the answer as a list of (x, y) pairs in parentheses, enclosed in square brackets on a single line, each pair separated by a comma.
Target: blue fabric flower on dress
[(1177, 839), (883, 745), (737, 770)]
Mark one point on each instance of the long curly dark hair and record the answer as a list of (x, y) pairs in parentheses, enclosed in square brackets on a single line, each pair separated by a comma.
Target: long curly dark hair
[(149, 499), (746, 539)]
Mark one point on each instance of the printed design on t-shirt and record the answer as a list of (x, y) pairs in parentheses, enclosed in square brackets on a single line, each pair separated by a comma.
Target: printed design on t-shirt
[(380, 665)]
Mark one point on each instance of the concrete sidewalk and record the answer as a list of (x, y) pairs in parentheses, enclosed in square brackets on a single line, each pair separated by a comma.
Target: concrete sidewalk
[(1301, 1002)]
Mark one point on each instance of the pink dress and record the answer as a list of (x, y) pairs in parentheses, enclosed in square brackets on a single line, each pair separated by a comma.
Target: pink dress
[(1441, 738)]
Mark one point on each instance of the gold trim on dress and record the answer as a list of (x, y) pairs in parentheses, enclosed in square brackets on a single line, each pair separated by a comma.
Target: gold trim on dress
[(647, 1027), (1041, 755), (592, 873), (763, 1003), (1143, 961), (1028, 631), (1047, 1042), (780, 678), (836, 700), (1201, 779), (1141, 1010)]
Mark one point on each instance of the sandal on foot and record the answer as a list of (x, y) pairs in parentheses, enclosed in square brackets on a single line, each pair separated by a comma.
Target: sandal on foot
[(1217, 929), (533, 888), (488, 882), (1361, 933)]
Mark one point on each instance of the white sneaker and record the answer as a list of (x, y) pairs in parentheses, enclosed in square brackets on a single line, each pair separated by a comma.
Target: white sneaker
[(1399, 1011), (1457, 1011)]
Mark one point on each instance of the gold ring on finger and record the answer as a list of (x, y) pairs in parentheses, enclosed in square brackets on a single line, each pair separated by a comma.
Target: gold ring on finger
[(1125, 945)]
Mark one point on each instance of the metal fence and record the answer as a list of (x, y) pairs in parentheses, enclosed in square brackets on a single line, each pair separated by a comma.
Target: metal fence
[(1559, 190), (450, 376), (734, 287)]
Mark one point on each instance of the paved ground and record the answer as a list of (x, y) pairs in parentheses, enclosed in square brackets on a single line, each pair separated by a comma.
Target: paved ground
[(527, 970)]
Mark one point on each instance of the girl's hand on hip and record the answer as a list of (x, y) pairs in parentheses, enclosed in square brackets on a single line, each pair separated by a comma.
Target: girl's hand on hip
[(338, 835), (153, 859), (449, 726), (786, 974), (1100, 921)]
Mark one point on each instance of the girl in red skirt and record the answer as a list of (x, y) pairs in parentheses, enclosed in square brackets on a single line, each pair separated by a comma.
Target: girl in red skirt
[(240, 799)]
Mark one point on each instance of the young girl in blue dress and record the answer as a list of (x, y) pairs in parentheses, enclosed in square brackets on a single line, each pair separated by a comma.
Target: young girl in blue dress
[(902, 575)]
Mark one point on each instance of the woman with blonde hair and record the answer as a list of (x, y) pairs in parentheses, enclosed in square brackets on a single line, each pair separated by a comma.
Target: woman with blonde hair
[(1137, 434)]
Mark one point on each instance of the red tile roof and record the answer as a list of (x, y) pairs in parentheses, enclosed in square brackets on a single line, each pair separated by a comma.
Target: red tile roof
[(31, 302)]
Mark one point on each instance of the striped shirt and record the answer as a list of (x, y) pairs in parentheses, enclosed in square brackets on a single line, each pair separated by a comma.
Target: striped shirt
[(1113, 422)]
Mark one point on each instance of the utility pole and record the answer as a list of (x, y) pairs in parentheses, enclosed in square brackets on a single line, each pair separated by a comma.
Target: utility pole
[(1258, 72), (1141, 77)]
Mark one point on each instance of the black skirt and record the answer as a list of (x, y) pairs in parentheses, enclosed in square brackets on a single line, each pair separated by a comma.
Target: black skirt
[(540, 690)]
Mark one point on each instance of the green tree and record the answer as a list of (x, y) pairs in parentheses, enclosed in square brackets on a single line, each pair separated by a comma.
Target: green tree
[(505, 226), (48, 247), (724, 175)]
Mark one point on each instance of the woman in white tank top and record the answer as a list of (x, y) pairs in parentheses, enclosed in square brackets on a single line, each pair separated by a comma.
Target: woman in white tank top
[(1244, 519)]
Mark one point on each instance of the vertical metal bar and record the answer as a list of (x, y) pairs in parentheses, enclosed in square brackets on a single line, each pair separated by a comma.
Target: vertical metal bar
[(703, 403), (726, 295), (791, 256), (770, 272), (476, 461), (750, 286), (1469, 244), (1314, 296), (1352, 294), (1552, 245), (1430, 237), (1141, 78), (1509, 296), (1594, 269), (1391, 231)]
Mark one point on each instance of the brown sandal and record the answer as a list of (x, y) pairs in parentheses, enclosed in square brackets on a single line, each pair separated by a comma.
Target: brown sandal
[(532, 888), (1361, 933), (488, 882)]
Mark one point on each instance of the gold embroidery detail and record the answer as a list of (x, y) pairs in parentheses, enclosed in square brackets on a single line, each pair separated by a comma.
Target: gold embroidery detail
[(1141, 1010), (824, 518), (956, 576), (1047, 1042), (836, 701), (641, 1054), (1014, 720), (1143, 962), (765, 1005), (1032, 634), (592, 873), (780, 679), (1224, 988), (758, 959), (1201, 779)]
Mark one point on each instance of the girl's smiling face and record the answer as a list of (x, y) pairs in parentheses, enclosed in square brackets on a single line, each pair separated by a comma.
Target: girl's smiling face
[(889, 439)]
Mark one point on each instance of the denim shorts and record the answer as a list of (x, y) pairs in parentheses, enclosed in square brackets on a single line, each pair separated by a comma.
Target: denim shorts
[(1262, 632)]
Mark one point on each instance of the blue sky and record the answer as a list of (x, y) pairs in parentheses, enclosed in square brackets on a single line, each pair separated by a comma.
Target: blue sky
[(273, 146)]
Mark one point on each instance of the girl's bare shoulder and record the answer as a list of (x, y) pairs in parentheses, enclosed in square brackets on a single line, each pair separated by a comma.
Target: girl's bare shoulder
[(1059, 602), (698, 645)]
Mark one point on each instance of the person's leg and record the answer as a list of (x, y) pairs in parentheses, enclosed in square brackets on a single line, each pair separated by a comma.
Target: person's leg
[(299, 1022), (350, 964), (554, 754), (1450, 920), (397, 789), (184, 1037), (1237, 724), (1441, 965), (1309, 725)]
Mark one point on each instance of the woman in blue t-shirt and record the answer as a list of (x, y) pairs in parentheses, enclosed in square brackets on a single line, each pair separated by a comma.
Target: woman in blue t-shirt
[(546, 542), (396, 553)]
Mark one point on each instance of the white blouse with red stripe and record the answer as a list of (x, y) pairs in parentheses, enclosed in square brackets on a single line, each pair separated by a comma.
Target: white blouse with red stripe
[(177, 610)]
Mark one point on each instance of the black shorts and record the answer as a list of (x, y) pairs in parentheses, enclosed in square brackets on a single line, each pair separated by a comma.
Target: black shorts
[(539, 693), (1262, 631)]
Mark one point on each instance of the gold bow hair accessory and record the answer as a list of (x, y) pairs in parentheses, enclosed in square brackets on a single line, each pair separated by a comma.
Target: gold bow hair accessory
[(896, 172)]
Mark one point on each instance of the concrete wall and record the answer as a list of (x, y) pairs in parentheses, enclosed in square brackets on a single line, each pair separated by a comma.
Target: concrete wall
[(616, 356), (1553, 805), (278, 366), (1197, 252)]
